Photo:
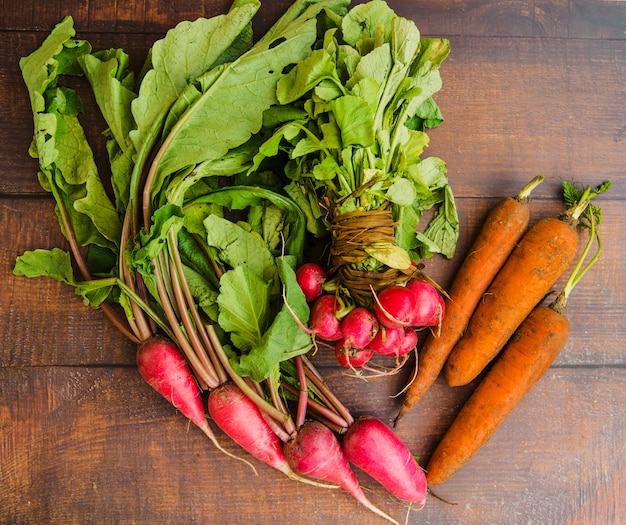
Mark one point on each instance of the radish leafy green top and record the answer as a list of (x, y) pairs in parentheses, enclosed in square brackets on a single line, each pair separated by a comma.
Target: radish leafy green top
[(366, 100), (212, 103)]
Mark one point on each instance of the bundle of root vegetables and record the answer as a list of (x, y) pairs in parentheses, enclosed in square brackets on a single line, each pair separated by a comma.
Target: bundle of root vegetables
[(227, 152), (195, 243)]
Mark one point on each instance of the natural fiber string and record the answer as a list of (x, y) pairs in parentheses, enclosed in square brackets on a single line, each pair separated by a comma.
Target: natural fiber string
[(351, 234)]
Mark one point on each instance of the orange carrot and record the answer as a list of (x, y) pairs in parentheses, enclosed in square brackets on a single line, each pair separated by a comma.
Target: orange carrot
[(528, 355), (543, 254), (500, 232), (525, 359)]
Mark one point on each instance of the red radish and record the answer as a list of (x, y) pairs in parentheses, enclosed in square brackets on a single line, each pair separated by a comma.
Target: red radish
[(241, 420), (428, 308), (409, 342), (316, 452), (323, 320), (394, 307), (352, 357), (165, 369), (373, 447), (440, 313), (358, 327), (311, 277), (387, 341)]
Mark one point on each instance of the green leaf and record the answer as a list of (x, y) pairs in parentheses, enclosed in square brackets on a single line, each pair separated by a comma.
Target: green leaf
[(402, 192), (97, 291), (54, 263), (41, 68), (390, 254), (241, 197), (407, 235), (65, 158), (237, 247), (405, 40), (308, 73), (355, 120), (376, 66), (207, 129), (362, 21), (164, 219), (186, 52), (284, 338), (111, 84), (443, 230), (203, 291), (244, 311)]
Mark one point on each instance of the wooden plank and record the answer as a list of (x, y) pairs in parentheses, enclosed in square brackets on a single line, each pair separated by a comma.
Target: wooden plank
[(534, 113), (47, 324), (513, 108), (85, 444), (595, 19)]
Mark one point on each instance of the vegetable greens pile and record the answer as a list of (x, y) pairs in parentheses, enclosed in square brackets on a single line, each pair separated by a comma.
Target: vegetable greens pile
[(224, 154), (365, 95)]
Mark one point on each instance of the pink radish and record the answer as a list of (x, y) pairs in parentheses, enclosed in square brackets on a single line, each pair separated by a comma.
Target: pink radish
[(241, 420), (387, 341), (439, 314), (373, 447), (409, 341), (311, 277), (323, 320), (358, 327), (164, 368), (316, 452), (394, 307), (352, 357), (428, 308)]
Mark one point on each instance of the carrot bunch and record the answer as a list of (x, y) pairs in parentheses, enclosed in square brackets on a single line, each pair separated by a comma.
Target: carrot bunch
[(526, 357), (500, 232)]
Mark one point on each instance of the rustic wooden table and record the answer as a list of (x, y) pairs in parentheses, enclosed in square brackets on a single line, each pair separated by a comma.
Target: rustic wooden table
[(529, 88)]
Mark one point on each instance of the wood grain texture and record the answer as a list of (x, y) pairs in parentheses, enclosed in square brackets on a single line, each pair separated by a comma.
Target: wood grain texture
[(529, 87), (533, 105), (105, 445)]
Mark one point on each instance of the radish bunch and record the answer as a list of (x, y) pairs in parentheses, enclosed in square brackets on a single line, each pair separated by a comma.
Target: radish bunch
[(388, 328), (214, 304)]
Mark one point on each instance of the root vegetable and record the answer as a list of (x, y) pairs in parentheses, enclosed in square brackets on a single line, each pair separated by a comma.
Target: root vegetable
[(358, 328), (543, 254), (240, 419), (387, 341), (164, 368), (500, 232), (525, 359), (395, 306), (409, 342), (373, 447), (428, 310), (316, 452), (323, 320), (311, 277), (352, 357)]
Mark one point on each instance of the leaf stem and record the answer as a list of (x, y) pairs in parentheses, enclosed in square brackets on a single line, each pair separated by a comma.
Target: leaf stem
[(263, 405), (66, 226)]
